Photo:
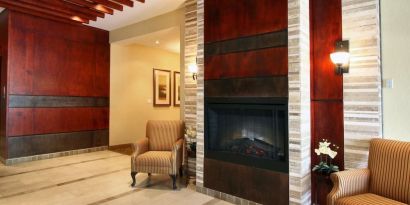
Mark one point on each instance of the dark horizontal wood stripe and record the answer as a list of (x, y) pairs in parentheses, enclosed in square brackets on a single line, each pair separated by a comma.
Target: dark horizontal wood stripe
[(258, 63), (31, 121), (22, 101), (261, 41), (22, 146), (248, 87)]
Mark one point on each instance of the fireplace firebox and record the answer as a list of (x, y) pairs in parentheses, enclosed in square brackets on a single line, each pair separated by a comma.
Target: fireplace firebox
[(248, 131)]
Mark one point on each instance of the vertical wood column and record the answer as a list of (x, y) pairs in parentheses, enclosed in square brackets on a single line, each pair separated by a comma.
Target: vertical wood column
[(326, 85), (299, 102), (362, 85)]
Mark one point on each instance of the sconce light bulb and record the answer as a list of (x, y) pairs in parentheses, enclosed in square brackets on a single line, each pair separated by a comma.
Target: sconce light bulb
[(193, 68), (340, 58)]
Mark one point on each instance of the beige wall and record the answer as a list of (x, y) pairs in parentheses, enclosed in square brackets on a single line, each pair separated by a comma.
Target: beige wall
[(131, 89), (128, 34), (395, 15)]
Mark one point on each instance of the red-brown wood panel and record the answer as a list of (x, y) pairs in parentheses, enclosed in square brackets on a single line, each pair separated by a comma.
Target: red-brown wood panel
[(327, 123), (229, 19), (257, 63), (52, 28), (326, 29), (57, 59), (4, 16), (102, 74), (30, 121), (326, 87)]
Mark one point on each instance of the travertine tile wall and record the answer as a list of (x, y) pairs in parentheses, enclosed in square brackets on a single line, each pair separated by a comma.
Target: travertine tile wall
[(362, 85), (190, 52), (190, 86), (299, 102), (200, 96)]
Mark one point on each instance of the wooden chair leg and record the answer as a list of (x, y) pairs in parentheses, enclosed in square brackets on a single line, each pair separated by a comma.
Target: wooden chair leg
[(181, 172), (174, 181), (133, 178)]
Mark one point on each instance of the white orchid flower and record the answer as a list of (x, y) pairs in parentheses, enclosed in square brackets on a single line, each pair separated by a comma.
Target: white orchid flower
[(324, 144), (332, 154), (324, 150)]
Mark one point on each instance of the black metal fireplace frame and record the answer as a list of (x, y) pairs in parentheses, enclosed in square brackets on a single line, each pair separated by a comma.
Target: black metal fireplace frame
[(255, 102)]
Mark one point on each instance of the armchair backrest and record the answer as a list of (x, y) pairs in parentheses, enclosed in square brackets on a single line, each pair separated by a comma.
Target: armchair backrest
[(162, 135), (389, 164)]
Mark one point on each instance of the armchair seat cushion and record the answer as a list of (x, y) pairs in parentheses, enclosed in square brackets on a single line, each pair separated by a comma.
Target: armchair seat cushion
[(158, 162), (367, 199)]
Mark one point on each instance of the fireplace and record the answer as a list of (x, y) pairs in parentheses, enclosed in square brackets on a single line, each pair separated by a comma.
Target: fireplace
[(248, 131)]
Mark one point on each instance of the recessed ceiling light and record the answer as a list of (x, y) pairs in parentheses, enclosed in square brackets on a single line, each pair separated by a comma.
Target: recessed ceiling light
[(157, 42)]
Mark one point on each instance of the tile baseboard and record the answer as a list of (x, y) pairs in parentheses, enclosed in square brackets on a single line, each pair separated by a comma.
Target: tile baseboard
[(13, 161)]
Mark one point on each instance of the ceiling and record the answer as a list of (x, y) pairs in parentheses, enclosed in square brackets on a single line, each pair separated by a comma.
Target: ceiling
[(139, 12), (71, 11), (118, 13), (104, 14), (167, 39)]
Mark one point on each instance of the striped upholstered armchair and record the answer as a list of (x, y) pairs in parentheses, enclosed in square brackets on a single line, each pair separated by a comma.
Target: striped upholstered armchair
[(385, 181), (161, 152)]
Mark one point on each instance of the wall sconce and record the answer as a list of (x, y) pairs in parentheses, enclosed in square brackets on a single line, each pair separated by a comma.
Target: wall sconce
[(341, 57), (193, 68)]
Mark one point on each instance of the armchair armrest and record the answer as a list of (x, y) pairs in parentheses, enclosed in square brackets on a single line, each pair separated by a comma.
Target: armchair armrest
[(176, 156), (139, 148), (348, 183)]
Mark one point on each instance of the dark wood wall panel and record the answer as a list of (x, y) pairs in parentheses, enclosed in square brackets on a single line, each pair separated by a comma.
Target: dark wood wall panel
[(4, 17), (326, 29), (327, 120), (28, 101), (102, 67), (51, 143), (31, 121), (247, 182), (257, 63), (248, 87), (327, 123), (58, 83), (229, 19), (67, 64)]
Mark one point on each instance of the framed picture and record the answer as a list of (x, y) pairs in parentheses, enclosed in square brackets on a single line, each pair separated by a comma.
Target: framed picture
[(177, 89), (162, 87)]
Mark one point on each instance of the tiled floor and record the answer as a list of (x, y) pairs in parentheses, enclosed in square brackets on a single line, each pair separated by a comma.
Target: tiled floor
[(92, 178)]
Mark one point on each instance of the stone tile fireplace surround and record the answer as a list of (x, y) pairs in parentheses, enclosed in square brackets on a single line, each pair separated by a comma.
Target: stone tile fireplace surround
[(299, 90)]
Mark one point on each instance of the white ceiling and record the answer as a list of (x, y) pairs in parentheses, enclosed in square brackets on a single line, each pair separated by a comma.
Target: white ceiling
[(169, 39), (140, 12)]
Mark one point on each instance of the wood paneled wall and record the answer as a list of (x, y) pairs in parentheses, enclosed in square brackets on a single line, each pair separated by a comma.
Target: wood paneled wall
[(66, 68), (4, 17), (326, 86)]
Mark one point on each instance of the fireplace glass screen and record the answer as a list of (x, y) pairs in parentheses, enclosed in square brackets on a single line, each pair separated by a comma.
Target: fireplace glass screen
[(246, 132)]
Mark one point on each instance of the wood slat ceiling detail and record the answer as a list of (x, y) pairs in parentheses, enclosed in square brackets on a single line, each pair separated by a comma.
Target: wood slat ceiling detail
[(70, 11)]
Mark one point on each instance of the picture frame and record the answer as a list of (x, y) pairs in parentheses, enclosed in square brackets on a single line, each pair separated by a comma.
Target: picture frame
[(162, 87), (177, 89)]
